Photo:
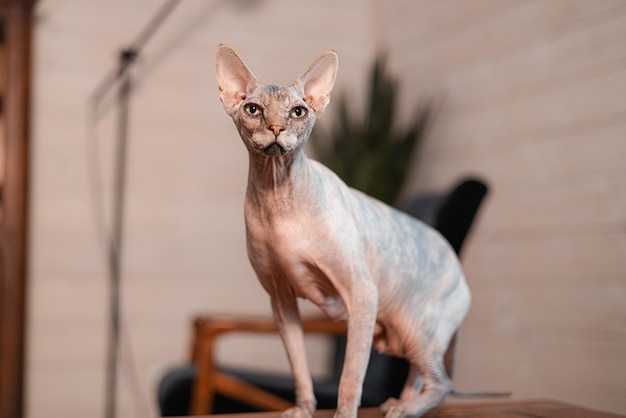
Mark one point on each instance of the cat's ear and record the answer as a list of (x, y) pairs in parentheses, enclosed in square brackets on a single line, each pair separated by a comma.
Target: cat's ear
[(317, 81), (234, 78)]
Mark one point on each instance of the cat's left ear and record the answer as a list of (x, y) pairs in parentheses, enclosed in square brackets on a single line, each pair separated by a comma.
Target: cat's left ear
[(234, 78), (317, 81)]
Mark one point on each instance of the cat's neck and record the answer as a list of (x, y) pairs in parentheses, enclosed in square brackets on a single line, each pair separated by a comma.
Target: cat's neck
[(278, 183)]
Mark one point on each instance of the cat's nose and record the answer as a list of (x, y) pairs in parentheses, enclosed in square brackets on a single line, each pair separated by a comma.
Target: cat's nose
[(277, 129)]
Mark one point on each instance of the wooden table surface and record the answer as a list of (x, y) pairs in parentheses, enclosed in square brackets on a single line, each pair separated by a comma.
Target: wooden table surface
[(490, 409)]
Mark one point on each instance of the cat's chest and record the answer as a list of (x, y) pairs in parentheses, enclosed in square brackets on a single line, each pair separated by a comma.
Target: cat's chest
[(278, 242), (287, 244), (292, 253)]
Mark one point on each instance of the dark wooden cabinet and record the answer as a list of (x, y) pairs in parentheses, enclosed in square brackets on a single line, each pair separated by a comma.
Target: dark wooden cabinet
[(15, 71)]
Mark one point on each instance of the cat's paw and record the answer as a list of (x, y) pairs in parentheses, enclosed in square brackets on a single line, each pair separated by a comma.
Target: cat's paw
[(299, 412), (393, 408), (389, 403), (339, 414)]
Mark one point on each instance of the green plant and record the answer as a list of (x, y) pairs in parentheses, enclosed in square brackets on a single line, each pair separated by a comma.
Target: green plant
[(369, 152)]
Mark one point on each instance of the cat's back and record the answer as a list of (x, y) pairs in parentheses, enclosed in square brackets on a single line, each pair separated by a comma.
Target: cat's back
[(393, 235)]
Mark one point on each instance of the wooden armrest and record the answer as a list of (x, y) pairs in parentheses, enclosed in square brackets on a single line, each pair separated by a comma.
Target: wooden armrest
[(210, 380), (214, 325), (210, 326)]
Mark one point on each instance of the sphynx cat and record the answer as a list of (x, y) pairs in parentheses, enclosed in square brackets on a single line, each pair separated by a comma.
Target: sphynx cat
[(396, 281)]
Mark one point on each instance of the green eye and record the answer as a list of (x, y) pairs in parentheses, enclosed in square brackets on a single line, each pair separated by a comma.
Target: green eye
[(253, 109), (298, 112)]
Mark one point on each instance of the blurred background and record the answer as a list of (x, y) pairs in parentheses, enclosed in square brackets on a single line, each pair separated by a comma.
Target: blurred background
[(531, 97)]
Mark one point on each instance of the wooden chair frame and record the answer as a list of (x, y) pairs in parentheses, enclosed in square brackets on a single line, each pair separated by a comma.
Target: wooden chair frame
[(211, 381)]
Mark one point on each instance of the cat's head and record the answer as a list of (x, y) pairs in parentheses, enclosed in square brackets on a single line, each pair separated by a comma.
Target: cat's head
[(274, 120)]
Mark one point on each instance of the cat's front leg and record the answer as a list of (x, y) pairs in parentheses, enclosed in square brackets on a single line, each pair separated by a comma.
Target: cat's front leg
[(289, 325), (361, 323)]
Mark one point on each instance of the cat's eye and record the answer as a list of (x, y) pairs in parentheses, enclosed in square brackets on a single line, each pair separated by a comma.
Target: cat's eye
[(253, 109), (298, 112)]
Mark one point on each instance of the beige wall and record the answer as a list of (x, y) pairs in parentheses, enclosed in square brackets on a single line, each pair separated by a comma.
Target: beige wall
[(534, 103)]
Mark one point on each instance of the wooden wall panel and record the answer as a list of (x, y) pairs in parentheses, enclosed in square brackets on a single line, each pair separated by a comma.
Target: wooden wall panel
[(15, 60), (534, 103)]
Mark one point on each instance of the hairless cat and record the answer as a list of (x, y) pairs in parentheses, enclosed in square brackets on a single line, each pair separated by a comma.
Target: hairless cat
[(396, 281)]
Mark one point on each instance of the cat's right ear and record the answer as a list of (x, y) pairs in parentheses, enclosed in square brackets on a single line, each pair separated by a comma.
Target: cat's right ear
[(234, 78), (317, 81)]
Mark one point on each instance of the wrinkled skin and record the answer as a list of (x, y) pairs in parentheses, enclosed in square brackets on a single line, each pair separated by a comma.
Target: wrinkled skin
[(396, 281)]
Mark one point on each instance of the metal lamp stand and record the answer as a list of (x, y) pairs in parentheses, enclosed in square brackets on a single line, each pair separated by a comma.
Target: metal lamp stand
[(120, 77)]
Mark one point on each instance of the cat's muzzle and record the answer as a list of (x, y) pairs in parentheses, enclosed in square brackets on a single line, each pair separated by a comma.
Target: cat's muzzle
[(274, 149)]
